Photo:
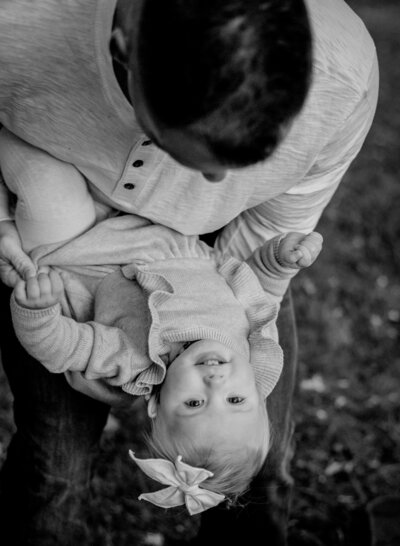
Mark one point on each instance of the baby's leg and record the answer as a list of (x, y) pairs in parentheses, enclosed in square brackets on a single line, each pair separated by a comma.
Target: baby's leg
[(53, 201)]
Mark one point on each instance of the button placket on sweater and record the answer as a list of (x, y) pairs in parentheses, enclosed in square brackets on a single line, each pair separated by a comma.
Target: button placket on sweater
[(140, 164)]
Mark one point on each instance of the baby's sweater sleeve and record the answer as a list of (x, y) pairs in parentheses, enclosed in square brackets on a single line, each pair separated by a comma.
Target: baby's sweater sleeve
[(61, 344), (273, 277)]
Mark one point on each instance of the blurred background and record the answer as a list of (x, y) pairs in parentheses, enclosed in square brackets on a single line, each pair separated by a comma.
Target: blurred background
[(347, 464)]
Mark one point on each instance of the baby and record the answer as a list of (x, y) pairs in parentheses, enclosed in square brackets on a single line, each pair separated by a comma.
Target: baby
[(192, 330)]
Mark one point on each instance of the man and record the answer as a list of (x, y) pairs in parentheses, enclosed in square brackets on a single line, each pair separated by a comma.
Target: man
[(199, 122)]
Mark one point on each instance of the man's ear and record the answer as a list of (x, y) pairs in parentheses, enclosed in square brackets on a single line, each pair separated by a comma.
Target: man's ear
[(119, 47), (152, 407)]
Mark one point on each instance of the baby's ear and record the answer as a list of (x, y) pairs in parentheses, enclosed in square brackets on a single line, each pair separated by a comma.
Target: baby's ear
[(152, 407)]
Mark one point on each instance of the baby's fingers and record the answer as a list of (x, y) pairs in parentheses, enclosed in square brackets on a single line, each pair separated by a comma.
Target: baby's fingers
[(32, 288), (313, 241), (294, 256), (310, 247), (305, 258), (56, 283), (20, 292), (44, 284), (37, 292)]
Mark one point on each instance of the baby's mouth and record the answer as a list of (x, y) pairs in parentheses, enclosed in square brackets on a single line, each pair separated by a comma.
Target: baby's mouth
[(211, 362)]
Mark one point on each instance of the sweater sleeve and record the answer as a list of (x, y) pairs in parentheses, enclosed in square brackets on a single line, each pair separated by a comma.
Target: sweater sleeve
[(61, 344), (300, 207), (273, 277)]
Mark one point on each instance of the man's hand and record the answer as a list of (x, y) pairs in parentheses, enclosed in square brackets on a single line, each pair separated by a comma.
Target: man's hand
[(14, 263), (297, 250), (99, 389), (43, 290)]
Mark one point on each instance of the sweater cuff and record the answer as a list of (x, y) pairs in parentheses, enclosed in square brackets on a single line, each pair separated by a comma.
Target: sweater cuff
[(276, 241), (267, 262), (271, 262)]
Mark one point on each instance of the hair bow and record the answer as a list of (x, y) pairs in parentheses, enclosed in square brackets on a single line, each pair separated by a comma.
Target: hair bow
[(183, 481)]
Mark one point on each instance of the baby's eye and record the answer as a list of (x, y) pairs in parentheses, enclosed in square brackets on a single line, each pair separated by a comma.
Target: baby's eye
[(235, 399), (194, 403)]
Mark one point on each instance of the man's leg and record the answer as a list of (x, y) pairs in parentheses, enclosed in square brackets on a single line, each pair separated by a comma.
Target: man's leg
[(263, 517), (44, 483)]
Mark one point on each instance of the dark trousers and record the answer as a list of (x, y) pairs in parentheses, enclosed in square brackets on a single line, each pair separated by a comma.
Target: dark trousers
[(44, 483)]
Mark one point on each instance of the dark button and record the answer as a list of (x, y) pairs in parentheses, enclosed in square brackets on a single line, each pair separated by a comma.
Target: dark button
[(129, 186), (146, 143), (137, 163)]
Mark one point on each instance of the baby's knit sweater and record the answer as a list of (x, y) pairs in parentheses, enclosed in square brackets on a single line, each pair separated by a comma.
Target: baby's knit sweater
[(169, 289)]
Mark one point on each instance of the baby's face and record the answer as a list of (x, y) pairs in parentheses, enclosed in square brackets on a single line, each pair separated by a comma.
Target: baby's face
[(210, 393)]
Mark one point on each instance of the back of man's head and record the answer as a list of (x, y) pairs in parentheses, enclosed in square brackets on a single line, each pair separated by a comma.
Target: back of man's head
[(232, 72)]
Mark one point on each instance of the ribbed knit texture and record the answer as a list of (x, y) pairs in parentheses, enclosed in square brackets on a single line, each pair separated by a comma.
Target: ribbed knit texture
[(174, 289), (199, 299)]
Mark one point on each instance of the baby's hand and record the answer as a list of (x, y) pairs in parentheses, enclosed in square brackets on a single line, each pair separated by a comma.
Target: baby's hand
[(297, 250), (43, 290)]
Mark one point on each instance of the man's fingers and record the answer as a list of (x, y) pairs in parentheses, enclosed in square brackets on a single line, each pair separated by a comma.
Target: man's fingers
[(23, 265), (8, 275), (27, 271)]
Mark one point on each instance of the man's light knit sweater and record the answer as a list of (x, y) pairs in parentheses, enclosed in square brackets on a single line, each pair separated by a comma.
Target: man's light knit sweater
[(58, 92), (170, 289)]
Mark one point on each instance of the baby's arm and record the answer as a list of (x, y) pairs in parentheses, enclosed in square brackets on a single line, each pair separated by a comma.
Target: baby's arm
[(279, 259), (62, 344)]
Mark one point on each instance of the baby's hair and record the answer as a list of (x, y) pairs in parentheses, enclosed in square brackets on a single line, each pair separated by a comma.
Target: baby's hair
[(232, 470)]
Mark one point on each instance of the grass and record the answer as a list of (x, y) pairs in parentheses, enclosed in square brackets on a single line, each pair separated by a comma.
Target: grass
[(348, 400), (348, 306)]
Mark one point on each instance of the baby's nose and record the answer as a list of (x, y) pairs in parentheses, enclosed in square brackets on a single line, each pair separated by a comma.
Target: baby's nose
[(214, 377)]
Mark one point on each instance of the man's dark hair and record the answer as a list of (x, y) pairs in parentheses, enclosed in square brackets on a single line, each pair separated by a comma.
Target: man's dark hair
[(232, 72)]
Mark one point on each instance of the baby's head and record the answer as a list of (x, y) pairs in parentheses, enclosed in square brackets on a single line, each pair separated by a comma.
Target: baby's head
[(210, 411)]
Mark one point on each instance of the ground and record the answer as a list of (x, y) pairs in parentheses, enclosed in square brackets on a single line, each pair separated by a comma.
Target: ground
[(347, 462)]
